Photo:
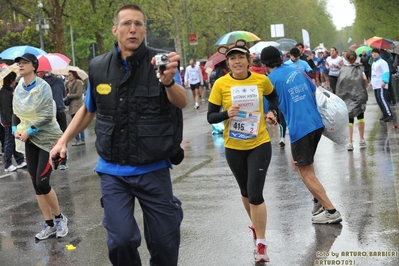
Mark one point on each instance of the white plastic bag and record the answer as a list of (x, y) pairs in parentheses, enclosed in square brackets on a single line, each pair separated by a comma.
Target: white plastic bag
[(334, 114)]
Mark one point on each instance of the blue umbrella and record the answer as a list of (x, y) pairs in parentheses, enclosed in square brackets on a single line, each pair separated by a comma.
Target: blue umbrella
[(15, 51)]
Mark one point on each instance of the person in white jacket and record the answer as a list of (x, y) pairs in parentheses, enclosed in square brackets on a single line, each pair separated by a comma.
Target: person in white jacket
[(193, 77), (379, 81)]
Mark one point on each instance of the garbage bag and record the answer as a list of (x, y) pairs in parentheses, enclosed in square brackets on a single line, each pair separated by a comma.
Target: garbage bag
[(334, 113), (352, 89)]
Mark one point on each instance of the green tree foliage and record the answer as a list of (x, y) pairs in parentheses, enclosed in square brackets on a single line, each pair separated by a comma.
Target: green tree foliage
[(170, 22), (30, 37), (376, 18)]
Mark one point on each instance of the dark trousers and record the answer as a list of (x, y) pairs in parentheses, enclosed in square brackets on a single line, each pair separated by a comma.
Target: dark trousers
[(333, 83), (62, 122), (283, 124), (391, 99), (162, 215), (2, 137), (9, 149), (381, 98)]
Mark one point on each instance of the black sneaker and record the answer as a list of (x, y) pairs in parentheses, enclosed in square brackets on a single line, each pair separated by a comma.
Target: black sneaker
[(388, 119)]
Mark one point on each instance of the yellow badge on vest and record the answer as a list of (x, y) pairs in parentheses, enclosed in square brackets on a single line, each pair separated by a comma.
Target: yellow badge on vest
[(103, 89)]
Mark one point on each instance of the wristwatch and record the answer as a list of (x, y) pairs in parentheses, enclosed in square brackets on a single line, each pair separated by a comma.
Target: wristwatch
[(170, 84)]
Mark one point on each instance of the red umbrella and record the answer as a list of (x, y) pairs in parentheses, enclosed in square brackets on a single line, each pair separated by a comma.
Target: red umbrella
[(3, 65), (52, 61), (215, 59), (381, 43), (354, 47)]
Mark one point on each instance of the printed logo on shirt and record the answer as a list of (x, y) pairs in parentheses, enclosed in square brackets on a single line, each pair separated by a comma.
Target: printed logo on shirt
[(103, 89)]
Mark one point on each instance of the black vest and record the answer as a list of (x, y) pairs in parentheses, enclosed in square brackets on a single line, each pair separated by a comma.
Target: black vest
[(136, 124)]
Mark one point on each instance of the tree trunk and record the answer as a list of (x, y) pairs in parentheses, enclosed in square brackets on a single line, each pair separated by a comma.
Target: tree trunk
[(100, 42)]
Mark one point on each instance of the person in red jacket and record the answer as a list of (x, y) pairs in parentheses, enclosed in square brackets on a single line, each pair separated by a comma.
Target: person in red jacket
[(205, 86), (257, 66)]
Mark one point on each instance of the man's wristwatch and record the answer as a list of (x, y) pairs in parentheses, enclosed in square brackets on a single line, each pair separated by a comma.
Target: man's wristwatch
[(170, 84)]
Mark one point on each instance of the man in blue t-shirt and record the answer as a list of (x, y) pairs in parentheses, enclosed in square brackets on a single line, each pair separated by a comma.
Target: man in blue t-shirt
[(300, 64), (296, 93)]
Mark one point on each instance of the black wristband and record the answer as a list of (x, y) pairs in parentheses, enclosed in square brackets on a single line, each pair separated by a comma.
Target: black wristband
[(170, 84)]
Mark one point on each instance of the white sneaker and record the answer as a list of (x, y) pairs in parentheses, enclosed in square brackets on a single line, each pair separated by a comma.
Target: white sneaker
[(362, 144), (349, 147), (22, 165), (63, 167), (11, 168), (46, 232), (62, 226), (327, 218)]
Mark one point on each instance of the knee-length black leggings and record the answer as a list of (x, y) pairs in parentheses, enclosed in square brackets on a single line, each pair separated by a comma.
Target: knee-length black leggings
[(249, 167), (39, 168)]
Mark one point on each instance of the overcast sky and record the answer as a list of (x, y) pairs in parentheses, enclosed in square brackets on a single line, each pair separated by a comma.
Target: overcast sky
[(343, 13)]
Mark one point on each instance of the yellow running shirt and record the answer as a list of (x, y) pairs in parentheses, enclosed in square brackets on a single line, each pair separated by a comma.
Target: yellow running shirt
[(247, 130)]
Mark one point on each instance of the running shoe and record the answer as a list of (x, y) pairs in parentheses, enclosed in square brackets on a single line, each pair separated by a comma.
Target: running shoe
[(47, 231), (22, 165), (327, 218), (62, 226), (362, 144), (11, 168), (349, 147), (317, 208), (261, 254)]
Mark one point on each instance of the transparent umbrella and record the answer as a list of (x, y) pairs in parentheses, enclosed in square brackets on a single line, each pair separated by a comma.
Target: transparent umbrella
[(64, 71), (258, 47), (286, 44)]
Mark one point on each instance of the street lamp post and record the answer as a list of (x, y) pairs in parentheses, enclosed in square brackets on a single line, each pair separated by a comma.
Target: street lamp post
[(39, 15)]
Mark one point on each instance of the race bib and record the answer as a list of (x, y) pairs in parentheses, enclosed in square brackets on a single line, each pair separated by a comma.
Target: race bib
[(245, 125), (247, 97)]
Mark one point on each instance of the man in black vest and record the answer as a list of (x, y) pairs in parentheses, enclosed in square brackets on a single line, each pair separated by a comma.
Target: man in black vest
[(137, 137)]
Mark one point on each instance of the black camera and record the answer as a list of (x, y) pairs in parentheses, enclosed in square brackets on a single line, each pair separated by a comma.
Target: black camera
[(56, 160)]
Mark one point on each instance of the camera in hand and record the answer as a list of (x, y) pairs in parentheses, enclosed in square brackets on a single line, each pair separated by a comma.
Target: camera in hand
[(161, 60)]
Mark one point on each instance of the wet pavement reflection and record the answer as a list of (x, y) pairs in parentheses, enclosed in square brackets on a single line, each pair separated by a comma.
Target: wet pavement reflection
[(363, 185)]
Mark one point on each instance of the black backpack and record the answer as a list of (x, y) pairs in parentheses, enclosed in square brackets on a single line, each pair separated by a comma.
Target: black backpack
[(387, 58), (215, 74)]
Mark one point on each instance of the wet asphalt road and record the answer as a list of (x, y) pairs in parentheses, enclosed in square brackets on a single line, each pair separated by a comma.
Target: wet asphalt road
[(363, 185)]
